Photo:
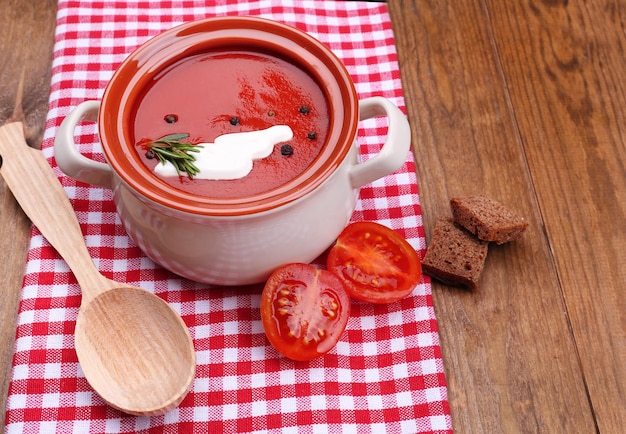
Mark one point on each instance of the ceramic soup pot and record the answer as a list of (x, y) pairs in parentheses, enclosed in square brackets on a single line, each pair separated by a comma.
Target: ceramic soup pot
[(223, 75)]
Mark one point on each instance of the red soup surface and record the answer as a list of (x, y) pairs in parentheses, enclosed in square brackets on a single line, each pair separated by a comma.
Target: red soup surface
[(218, 93)]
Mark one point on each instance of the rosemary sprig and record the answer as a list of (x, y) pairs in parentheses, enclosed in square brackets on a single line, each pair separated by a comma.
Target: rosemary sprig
[(171, 148)]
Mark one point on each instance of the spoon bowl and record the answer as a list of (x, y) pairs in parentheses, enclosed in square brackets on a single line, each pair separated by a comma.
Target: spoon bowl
[(134, 349), (159, 352)]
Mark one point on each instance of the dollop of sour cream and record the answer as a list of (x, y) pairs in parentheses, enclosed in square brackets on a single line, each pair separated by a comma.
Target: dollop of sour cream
[(231, 156)]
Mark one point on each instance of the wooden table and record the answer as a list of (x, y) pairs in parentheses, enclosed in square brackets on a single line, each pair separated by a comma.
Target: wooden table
[(26, 42), (522, 101)]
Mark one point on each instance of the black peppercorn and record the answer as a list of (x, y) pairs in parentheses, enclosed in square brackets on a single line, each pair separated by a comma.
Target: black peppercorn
[(171, 118), (234, 120), (305, 109), (286, 150), (312, 135), (150, 154)]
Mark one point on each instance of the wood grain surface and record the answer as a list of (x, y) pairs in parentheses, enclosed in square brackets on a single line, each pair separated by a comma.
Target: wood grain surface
[(525, 102), (26, 42), (522, 101)]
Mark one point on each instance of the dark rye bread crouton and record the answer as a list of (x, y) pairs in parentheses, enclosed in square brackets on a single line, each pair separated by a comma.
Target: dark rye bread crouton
[(488, 219), (454, 256)]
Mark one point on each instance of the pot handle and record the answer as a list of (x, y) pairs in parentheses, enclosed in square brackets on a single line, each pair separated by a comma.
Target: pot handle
[(69, 159), (393, 154)]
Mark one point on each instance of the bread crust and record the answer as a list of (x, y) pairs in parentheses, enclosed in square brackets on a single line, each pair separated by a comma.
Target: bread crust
[(488, 219), (454, 256)]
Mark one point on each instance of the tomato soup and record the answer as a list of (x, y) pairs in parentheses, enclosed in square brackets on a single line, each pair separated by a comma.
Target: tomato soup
[(213, 94)]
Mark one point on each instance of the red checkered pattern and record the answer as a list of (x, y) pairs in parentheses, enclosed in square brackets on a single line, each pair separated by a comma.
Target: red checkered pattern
[(385, 375)]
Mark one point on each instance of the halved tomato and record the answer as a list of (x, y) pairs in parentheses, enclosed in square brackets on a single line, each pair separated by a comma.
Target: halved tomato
[(376, 264), (304, 310)]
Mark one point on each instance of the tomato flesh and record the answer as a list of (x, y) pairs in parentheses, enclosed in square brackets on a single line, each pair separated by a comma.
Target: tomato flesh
[(304, 310), (375, 263)]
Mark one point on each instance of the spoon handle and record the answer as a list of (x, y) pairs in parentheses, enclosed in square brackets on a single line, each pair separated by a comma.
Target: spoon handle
[(42, 197)]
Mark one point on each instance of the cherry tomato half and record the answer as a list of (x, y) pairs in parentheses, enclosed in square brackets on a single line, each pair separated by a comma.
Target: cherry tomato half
[(376, 264), (304, 310)]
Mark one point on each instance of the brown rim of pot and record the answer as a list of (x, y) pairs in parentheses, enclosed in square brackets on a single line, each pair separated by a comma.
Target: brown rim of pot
[(213, 34)]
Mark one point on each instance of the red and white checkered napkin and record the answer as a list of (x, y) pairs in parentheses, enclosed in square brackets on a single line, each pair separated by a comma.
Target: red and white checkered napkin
[(385, 375)]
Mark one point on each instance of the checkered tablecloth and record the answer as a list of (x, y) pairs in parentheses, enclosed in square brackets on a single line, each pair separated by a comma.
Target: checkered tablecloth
[(385, 375)]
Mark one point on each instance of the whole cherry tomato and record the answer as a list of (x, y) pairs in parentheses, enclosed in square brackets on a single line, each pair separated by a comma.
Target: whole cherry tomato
[(304, 310), (376, 264)]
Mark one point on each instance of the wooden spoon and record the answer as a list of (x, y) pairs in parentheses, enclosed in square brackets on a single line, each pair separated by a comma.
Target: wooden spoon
[(135, 350)]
